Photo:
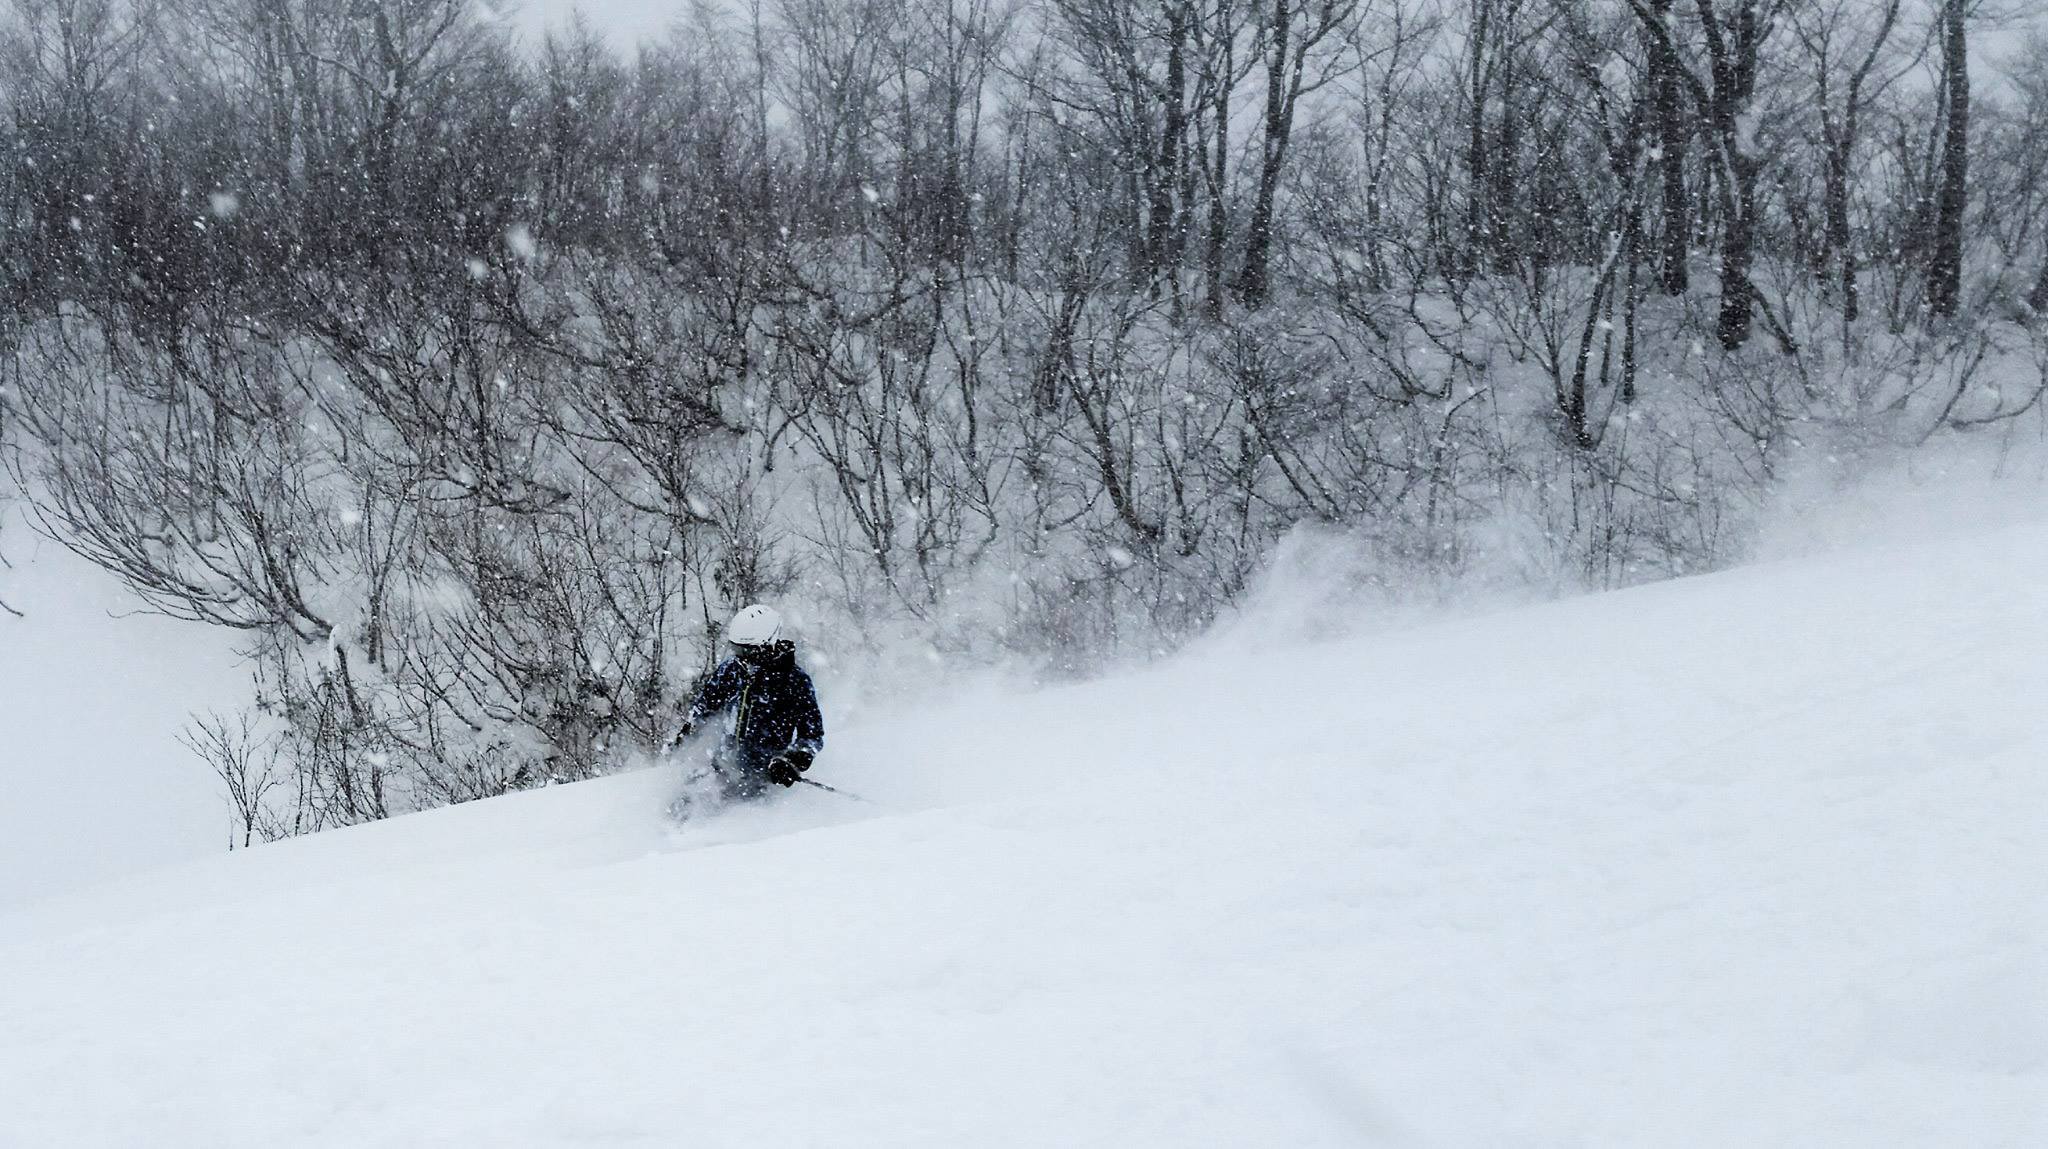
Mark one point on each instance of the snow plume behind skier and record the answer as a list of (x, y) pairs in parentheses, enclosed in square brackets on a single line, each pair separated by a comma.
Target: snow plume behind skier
[(773, 729)]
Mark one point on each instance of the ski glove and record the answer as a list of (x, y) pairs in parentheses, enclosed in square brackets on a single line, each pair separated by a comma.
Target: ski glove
[(676, 739), (786, 769)]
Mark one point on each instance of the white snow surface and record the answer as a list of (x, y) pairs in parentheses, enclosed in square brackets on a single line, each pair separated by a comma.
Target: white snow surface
[(1751, 859), (93, 781)]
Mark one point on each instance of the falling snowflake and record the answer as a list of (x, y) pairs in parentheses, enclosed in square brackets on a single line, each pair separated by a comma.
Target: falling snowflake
[(519, 238)]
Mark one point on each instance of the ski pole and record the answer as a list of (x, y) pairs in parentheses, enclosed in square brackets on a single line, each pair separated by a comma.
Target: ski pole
[(836, 790)]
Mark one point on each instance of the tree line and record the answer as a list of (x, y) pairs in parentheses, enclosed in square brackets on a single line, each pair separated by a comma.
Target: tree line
[(474, 382)]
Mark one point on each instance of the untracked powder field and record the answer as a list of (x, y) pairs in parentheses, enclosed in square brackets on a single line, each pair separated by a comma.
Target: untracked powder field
[(1744, 859)]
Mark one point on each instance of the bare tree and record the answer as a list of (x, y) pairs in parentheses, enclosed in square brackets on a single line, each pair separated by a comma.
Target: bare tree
[(1733, 34), (1844, 44), (1673, 131), (1290, 36), (1945, 271)]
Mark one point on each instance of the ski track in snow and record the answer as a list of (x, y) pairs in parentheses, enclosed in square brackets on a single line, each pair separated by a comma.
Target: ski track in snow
[(1752, 859)]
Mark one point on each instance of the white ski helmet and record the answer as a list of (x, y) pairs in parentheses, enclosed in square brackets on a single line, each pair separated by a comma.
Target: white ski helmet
[(755, 625)]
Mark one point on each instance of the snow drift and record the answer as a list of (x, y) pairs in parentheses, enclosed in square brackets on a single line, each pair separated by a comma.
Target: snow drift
[(1740, 860)]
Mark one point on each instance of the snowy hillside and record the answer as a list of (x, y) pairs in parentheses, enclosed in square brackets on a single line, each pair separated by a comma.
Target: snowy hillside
[(93, 782), (1754, 859)]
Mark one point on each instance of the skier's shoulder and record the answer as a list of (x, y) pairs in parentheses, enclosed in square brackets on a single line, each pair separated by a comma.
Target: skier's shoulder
[(795, 670)]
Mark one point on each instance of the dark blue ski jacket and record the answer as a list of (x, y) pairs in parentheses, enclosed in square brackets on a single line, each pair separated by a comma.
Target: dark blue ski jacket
[(775, 708)]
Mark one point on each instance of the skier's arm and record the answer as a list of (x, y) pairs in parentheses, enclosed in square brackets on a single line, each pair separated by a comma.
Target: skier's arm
[(810, 724), (806, 738), (715, 695)]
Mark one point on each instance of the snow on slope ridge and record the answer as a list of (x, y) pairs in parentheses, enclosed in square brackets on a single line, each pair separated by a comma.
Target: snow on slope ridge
[(1749, 859)]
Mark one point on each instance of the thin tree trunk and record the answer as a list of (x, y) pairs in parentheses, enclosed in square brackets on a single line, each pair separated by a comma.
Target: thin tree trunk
[(1733, 48), (1835, 199), (1254, 282), (1478, 173), (1945, 274), (1672, 135), (1164, 222), (1503, 177), (1841, 134), (1738, 245), (1219, 222), (1217, 174)]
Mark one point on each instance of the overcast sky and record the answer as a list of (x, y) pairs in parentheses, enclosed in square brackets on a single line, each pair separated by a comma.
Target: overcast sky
[(2000, 35), (624, 22)]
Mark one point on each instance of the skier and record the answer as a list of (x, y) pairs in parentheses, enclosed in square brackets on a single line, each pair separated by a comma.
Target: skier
[(775, 730)]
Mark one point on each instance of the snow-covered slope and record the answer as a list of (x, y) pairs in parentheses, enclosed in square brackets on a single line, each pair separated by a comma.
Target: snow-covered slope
[(93, 782), (1755, 859)]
